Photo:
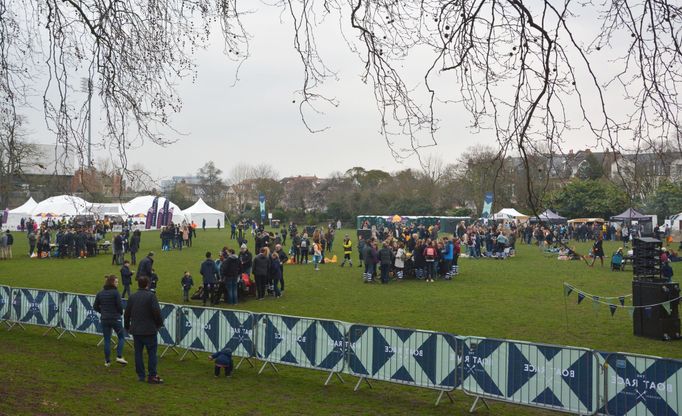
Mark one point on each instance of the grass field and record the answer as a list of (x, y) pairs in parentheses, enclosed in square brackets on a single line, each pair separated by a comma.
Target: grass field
[(521, 298)]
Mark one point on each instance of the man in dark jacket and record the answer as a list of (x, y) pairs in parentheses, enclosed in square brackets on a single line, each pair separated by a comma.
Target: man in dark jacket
[(386, 260), (245, 259), (283, 258), (134, 246), (229, 273), (126, 278), (108, 304), (145, 266), (143, 319), (261, 269), (208, 273)]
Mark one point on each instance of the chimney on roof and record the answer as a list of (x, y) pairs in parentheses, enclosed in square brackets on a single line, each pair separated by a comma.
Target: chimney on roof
[(570, 151)]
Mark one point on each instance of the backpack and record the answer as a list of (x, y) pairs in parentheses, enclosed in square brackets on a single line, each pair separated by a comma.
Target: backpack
[(304, 243), (430, 253)]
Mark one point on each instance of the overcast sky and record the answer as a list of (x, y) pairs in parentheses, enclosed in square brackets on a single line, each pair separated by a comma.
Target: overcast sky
[(256, 122)]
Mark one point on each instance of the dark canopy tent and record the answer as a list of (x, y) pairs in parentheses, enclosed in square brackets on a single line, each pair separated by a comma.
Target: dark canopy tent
[(645, 223), (550, 217), (631, 215)]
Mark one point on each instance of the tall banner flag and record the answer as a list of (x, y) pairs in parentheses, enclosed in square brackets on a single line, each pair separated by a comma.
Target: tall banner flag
[(151, 214), (261, 201), (170, 216), (164, 213), (487, 205)]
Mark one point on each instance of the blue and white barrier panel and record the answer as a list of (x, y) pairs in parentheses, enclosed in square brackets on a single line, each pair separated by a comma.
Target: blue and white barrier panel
[(546, 376), (78, 314), (302, 342), (5, 302), (405, 356), (167, 333), (36, 307), (639, 385), (211, 330)]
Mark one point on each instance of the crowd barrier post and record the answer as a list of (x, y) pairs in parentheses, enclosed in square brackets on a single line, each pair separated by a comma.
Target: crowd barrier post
[(168, 333), (639, 385), (564, 379), (405, 356), (212, 329), (5, 305), (317, 344), (36, 307)]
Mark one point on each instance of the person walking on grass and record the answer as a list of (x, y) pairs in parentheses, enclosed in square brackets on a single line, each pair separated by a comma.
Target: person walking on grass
[(142, 319), (126, 278), (598, 251), (108, 304)]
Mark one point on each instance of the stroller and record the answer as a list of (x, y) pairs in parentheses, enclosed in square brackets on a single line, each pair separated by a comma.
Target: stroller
[(617, 262)]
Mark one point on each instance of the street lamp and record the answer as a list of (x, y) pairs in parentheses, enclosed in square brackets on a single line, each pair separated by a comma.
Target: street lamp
[(86, 86)]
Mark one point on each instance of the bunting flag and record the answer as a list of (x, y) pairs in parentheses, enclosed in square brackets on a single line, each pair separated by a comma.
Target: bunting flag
[(631, 311), (580, 297), (567, 290), (613, 308), (621, 300), (667, 307), (595, 302)]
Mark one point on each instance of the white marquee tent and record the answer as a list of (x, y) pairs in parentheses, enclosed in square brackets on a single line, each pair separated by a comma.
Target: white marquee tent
[(138, 207), (201, 211), (59, 207), (510, 214), (16, 214)]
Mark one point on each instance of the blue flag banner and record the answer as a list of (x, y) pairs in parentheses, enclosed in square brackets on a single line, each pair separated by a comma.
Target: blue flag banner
[(5, 301), (151, 213), (302, 342), (539, 375), (405, 356), (487, 205), (165, 220), (580, 297), (641, 385), (621, 299), (37, 307), (261, 203), (613, 308)]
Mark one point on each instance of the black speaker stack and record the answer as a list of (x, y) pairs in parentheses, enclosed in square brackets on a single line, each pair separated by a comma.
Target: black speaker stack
[(648, 288)]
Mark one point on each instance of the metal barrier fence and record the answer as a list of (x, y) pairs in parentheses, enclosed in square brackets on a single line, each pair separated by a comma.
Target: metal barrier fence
[(538, 375), (302, 342), (567, 379), (36, 307), (405, 356), (78, 314), (639, 385), (212, 329), (5, 302)]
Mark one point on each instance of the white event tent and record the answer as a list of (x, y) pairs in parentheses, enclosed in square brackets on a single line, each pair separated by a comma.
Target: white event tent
[(509, 214), (137, 208), (202, 211), (59, 207), (15, 215)]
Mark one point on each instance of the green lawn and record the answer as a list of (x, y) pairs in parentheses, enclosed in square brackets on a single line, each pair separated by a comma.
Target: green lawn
[(521, 299)]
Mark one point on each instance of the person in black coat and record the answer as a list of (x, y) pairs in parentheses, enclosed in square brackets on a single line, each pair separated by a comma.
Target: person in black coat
[(261, 269), (208, 274), (108, 304), (145, 266), (275, 274), (126, 278), (283, 258), (229, 272), (134, 246), (142, 319)]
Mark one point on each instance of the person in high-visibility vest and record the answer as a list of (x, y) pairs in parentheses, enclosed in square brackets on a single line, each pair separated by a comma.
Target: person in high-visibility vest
[(347, 250)]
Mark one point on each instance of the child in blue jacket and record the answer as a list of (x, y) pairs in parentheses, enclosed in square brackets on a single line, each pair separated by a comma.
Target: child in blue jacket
[(223, 359)]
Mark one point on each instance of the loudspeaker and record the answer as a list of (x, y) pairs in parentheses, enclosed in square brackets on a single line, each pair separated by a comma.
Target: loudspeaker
[(646, 263), (654, 321)]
